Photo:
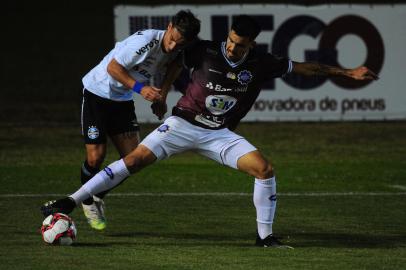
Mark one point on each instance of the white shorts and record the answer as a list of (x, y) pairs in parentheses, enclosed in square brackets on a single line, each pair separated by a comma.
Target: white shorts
[(176, 135)]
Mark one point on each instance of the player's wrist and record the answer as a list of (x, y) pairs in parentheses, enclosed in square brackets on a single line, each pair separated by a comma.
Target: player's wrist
[(137, 87)]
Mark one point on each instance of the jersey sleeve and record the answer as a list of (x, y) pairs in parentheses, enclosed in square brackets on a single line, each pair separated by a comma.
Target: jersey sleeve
[(133, 52), (275, 66)]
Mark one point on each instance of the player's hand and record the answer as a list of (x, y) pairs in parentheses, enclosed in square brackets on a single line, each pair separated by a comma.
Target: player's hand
[(159, 109), (151, 93), (362, 73)]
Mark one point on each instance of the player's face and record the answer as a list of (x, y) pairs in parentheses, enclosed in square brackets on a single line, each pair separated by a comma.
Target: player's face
[(237, 46), (173, 40)]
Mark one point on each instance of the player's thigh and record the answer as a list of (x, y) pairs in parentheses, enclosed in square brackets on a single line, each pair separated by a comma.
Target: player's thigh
[(126, 142), (225, 147), (92, 119), (255, 164), (174, 136), (122, 126)]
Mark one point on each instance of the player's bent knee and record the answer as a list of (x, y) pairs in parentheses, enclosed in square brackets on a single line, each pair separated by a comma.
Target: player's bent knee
[(264, 171), (139, 158), (95, 161), (95, 155)]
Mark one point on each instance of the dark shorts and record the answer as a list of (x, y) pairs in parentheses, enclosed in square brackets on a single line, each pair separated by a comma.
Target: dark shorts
[(103, 117)]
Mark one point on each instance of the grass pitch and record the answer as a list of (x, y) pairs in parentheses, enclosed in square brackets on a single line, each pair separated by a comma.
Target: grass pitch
[(341, 203)]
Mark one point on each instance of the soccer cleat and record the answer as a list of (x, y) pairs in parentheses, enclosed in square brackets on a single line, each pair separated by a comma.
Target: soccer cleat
[(64, 206), (95, 214), (270, 242)]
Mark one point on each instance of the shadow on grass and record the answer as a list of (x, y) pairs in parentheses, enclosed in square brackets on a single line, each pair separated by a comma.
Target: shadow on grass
[(297, 240), (189, 239), (347, 240), (100, 245)]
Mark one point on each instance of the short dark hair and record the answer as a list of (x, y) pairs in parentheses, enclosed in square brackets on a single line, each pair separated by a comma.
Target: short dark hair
[(246, 26), (187, 24)]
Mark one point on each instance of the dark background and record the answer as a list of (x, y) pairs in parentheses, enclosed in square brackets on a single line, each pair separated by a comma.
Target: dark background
[(49, 45)]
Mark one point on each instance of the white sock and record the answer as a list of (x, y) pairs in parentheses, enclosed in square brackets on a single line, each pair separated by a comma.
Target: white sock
[(265, 204), (106, 179)]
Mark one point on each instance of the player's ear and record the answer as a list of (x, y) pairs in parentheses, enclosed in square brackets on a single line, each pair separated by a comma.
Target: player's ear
[(170, 26)]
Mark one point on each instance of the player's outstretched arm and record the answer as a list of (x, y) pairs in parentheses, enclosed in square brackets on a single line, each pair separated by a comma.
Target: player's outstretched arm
[(317, 69)]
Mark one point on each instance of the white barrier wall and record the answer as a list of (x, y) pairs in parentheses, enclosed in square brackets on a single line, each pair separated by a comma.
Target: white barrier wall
[(345, 35)]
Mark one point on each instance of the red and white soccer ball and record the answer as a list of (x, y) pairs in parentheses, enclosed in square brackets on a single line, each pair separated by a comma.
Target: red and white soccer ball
[(58, 229)]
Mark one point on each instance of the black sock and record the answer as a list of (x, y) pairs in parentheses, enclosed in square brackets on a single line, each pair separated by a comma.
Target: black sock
[(86, 173)]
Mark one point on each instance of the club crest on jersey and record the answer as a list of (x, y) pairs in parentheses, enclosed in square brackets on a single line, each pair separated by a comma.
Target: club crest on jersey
[(244, 77), (220, 104), (93, 132), (163, 128)]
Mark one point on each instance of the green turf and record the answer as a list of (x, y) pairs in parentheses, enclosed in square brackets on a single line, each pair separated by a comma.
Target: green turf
[(217, 232)]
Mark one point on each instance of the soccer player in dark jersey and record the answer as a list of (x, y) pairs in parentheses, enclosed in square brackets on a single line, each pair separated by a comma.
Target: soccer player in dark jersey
[(226, 80)]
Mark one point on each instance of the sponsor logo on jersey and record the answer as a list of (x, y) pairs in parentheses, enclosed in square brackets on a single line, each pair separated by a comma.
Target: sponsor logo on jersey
[(93, 132), (147, 46), (210, 120), (244, 77), (241, 89), (231, 75), (142, 72), (145, 73), (163, 128), (220, 104), (109, 172), (210, 85), (148, 62), (217, 87)]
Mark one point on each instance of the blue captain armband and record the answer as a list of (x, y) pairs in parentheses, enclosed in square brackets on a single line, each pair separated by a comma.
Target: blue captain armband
[(137, 87)]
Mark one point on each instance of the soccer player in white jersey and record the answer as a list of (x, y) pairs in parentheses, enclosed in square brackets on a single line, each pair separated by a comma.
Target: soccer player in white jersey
[(108, 108), (226, 79)]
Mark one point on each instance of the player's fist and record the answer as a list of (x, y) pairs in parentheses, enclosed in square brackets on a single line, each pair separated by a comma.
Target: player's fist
[(362, 73), (151, 93)]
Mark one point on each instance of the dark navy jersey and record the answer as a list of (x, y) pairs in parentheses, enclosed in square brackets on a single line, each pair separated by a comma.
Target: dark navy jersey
[(222, 92)]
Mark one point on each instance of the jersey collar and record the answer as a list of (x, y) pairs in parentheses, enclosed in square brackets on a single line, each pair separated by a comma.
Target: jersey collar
[(231, 63)]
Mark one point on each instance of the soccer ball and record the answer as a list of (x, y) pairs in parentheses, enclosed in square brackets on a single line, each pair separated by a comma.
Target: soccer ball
[(58, 229)]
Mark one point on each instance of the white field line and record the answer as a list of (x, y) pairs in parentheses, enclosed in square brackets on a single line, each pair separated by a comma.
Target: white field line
[(219, 194), (400, 187)]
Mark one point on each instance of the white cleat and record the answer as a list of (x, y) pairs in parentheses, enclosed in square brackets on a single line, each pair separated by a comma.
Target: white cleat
[(95, 214)]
